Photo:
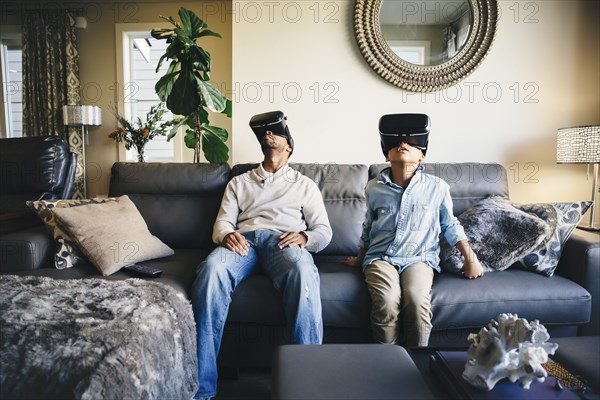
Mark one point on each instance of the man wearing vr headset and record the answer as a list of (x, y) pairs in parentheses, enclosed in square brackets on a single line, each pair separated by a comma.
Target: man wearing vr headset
[(270, 218), (399, 252)]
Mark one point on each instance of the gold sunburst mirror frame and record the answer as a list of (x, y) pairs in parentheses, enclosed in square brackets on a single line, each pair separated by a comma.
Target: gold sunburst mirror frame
[(424, 78)]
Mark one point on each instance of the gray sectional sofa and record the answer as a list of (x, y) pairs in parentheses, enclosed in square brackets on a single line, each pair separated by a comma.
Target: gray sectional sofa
[(180, 201)]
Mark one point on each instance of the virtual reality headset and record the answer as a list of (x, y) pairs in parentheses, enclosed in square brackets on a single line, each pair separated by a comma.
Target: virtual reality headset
[(273, 121), (412, 129)]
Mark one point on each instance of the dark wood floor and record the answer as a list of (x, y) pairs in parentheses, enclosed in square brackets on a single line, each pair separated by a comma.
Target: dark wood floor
[(254, 384)]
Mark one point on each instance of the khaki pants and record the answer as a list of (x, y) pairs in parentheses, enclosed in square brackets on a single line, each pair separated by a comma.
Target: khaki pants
[(406, 295)]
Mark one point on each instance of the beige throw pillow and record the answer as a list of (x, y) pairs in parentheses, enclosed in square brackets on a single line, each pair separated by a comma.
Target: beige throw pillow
[(112, 235), (67, 254)]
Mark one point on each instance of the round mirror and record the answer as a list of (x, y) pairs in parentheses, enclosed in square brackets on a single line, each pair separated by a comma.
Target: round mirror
[(426, 45), (427, 32)]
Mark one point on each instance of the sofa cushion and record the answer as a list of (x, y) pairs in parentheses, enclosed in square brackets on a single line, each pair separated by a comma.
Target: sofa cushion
[(111, 234), (66, 253), (344, 298), (562, 218), (11, 221), (179, 270), (461, 303), (498, 233), (26, 250), (343, 189), (469, 182), (179, 201)]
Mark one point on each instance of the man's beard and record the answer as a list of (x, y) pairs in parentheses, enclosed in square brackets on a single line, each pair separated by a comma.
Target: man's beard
[(266, 145)]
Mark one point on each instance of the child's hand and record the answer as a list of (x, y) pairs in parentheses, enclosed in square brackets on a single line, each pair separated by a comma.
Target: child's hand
[(352, 261), (472, 268)]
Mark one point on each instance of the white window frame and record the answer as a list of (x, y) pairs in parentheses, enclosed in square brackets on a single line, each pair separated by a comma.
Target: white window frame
[(421, 47), (123, 34), (10, 35)]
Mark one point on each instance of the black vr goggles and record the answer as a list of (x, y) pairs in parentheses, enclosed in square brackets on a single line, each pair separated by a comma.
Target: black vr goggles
[(412, 129), (273, 121)]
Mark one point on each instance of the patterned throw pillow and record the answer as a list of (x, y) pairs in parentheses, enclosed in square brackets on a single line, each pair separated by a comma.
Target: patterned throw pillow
[(562, 219), (67, 255), (498, 233)]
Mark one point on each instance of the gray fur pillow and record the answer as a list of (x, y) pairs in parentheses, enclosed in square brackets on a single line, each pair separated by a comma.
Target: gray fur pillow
[(499, 233)]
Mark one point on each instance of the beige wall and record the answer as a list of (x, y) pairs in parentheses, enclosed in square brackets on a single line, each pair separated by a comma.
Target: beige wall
[(541, 74), (98, 70)]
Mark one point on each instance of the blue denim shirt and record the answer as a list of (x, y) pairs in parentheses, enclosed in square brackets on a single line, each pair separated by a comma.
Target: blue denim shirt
[(403, 226)]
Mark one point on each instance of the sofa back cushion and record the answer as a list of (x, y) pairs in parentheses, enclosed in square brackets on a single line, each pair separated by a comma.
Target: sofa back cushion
[(469, 182), (31, 167), (179, 201), (343, 189)]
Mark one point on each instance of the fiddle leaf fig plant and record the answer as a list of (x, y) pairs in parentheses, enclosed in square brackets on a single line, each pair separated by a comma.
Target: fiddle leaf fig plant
[(186, 90)]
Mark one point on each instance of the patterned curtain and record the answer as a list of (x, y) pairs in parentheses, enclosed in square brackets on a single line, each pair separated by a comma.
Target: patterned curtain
[(51, 79)]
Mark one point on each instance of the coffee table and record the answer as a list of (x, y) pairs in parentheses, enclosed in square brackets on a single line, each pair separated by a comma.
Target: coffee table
[(579, 356), (376, 371), (346, 371)]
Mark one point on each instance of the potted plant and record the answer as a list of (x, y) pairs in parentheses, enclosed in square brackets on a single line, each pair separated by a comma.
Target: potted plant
[(186, 90), (138, 133)]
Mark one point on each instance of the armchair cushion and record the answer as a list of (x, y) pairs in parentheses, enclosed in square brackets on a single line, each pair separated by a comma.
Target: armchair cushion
[(36, 166), (32, 168)]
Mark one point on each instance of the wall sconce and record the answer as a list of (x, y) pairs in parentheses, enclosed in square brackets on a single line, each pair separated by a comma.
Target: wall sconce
[(581, 145), (82, 116)]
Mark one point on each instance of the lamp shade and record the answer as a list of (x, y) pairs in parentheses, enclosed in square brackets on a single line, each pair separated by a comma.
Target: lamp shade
[(92, 115), (73, 115), (82, 115), (578, 145)]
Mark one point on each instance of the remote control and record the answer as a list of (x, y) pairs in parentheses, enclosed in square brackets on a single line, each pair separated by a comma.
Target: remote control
[(143, 270)]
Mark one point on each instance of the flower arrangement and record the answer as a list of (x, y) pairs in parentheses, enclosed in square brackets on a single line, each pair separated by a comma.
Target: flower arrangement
[(139, 133)]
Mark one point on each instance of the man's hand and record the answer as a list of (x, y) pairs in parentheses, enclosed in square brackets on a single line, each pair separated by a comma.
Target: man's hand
[(290, 239), (236, 242)]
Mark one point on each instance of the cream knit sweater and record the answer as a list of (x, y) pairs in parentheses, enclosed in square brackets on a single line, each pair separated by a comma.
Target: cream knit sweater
[(284, 201)]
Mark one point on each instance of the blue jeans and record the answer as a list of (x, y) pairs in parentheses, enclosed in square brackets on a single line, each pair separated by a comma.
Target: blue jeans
[(294, 274)]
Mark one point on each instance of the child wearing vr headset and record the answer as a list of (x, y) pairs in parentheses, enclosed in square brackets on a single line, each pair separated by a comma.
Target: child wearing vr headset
[(407, 210)]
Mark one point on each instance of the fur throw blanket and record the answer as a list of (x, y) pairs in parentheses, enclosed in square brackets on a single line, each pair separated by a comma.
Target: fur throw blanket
[(95, 339)]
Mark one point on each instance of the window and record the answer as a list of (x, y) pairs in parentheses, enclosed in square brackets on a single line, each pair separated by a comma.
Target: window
[(415, 52), (145, 52), (137, 66), (11, 109)]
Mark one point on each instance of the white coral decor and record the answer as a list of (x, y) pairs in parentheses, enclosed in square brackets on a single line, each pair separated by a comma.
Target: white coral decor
[(510, 348)]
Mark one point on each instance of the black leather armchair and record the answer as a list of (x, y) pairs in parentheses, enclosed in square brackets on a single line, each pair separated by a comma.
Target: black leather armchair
[(33, 168)]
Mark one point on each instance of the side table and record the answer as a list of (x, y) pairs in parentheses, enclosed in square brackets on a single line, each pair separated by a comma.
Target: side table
[(580, 356)]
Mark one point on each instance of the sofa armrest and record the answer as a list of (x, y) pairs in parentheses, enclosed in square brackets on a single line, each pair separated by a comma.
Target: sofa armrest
[(26, 249), (580, 262)]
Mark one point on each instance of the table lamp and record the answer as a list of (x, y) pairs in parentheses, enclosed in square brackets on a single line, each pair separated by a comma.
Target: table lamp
[(581, 145), (84, 116)]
